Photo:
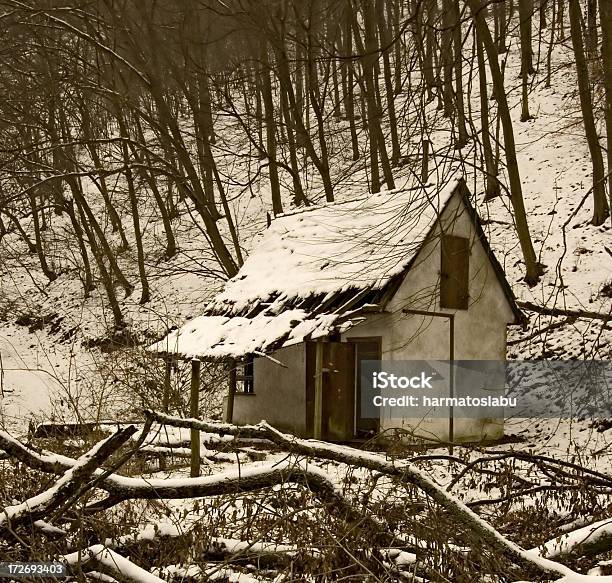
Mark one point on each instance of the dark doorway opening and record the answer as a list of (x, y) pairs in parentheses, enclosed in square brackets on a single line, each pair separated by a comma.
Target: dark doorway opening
[(366, 348)]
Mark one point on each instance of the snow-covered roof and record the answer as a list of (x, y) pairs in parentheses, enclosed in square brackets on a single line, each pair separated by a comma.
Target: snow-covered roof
[(331, 248), (310, 269), (218, 337)]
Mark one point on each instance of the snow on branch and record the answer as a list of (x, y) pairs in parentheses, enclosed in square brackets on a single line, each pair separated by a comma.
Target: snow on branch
[(247, 478), (406, 473), (588, 540), (110, 562), (69, 486)]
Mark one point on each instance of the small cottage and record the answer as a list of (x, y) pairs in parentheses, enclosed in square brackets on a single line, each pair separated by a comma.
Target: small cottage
[(406, 274)]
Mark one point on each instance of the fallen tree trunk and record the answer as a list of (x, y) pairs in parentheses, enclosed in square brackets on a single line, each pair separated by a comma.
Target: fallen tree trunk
[(406, 473), (530, 306), (70, 486)]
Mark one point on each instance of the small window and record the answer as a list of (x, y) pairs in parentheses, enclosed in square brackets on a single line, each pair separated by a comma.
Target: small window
[(454, 272), (247, 376)]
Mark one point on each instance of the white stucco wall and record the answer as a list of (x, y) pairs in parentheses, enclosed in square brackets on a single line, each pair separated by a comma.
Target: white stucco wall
[(279, 394), (480, 331)]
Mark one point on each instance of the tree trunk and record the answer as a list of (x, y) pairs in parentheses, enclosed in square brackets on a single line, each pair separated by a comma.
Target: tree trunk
[(385, 41), (88, 281), (533, 270), (543, 7), (268, 102), (145, 295), (429, 48), (462, 136), (317, 102), (605, 17), (173, 141), (303, 138), (500, 27), (40, 248), (105, 277), (79, 198), (525, 17), (551, 43), (259, 117), (393, 14), (492, 188), (92, 148), (377, 143), (348, 73), (525, 115), (31, 246), (600, 205), (150, 180), (298, 192), (446, 56), (561, 19), (337, 112), (199, 100), (592, 29)]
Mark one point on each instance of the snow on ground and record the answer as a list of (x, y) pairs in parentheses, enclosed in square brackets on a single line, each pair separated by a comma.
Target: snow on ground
[(46, 373), (556, 175), (31, 377), (555, 171)]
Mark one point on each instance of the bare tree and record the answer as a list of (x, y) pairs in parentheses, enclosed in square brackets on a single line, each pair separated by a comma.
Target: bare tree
[(600, 205), (533, 269)]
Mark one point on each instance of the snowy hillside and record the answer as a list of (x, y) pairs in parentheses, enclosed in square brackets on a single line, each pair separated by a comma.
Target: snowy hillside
[(149, 149)]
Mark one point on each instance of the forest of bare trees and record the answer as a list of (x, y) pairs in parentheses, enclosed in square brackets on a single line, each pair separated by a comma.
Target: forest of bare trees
[(133, 109), (145, 145)]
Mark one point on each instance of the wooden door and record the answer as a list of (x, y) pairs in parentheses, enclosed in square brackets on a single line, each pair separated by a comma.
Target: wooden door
[(338, 390)]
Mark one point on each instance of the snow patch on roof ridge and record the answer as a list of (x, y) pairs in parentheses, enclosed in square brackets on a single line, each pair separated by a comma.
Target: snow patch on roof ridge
[(407, 187)]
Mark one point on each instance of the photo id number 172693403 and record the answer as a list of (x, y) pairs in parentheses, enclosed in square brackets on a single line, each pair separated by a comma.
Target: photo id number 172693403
[(37, 569)]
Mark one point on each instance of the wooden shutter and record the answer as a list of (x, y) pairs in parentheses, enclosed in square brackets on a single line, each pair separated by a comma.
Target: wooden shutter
[(455, 272)]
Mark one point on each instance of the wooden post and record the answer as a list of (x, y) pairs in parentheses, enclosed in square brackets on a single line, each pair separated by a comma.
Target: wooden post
[(451, 357), (318, 404), (167, 377), (166, 401), (229, 413), (195, 402)]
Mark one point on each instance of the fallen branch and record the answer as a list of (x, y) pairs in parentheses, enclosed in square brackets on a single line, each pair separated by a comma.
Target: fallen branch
[(110, 562), (530, 306), (219, 549), (596, 477), (589, 540), (244, 479), (545, 330), (529, 492), (406, 473), (69, 487)]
